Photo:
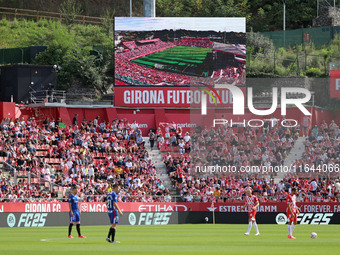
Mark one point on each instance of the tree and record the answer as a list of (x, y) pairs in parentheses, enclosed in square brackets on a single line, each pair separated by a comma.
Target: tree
[(69, 10), (108, 22), (202, 8)]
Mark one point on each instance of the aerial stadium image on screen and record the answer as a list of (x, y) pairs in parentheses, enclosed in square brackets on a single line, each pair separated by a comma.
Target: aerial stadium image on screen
[(128, 127), (179, 51)]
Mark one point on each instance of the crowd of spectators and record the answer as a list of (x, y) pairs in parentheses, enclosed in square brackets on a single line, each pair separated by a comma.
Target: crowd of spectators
[(130, 45), (322, 147), (90, 153), (233, 189), (195, 42), (95, 153), (244, 146)]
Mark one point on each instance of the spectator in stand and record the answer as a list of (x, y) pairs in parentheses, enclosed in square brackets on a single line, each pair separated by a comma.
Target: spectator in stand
[(305, 125), (134, 125), (75, 120), (95, 122), (140, 140), (152, 138)]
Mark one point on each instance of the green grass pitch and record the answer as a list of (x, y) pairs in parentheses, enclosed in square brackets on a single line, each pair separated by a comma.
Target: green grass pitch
[(172, 239), (178, 58)]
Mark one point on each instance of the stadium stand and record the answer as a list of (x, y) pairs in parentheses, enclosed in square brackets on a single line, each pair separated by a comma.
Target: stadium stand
[(48, 159), (194, 42), (250, 147), (90, 155)]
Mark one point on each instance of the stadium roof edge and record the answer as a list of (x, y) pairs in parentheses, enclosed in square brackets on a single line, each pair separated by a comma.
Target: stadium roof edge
[(52, 105)]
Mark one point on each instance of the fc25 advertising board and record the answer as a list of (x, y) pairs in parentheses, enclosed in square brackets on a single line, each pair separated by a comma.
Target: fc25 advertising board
[(56, 214)]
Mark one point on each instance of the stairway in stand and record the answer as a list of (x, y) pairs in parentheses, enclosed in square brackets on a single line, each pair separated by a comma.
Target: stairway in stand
[(157, 160), (295, 154)]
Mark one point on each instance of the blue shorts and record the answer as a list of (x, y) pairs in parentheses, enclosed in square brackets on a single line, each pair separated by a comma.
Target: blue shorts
[(114, 218), (75, 218)]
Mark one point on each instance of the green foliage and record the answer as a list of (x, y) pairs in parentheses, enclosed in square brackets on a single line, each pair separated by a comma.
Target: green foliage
[(95, 8), (267, 15), (313, 72), (303, 60), (202, 8), (259, 43), (262, 15), (107, 23), (69, 49), (69, 11)]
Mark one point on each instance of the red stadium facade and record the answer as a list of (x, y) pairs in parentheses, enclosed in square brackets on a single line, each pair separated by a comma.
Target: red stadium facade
[(150, 118), (334, 84)]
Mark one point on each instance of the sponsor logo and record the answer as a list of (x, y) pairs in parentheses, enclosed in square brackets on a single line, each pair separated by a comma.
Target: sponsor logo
[(238, 208), (11, 220), (83, 207), (211, 209), (1, 209), (314, 218), (32, 220), (151, 218), (321, 208), (281, 218), (93, 207), (42, 207), (132, 219), (162, 208), (186, 125)]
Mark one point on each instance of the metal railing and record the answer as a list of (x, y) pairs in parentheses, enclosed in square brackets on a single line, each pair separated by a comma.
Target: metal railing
[(60, 96), (14, 172), (102, 198), (11, 170), (48, 96), (36, 15)]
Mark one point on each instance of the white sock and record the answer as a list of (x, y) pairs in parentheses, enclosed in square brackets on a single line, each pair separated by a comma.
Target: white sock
[(289, 230), (249, 226), (256, 228), (292, 228)]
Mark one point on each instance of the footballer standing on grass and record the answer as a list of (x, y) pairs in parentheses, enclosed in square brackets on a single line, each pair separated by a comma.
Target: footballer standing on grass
[(74, 212), (113, 211), (292, 212), (252, 202)]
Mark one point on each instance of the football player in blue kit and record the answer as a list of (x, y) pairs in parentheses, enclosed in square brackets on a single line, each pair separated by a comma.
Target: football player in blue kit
[(74, 212), (113, 211)]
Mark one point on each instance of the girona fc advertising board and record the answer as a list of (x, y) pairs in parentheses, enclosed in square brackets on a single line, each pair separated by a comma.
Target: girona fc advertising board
[(269, 207), (172, 96)]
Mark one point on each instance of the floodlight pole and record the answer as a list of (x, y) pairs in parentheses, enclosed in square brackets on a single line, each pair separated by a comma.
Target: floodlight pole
[(284, 15), (284, 22), (149, 7), (130, 8)]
